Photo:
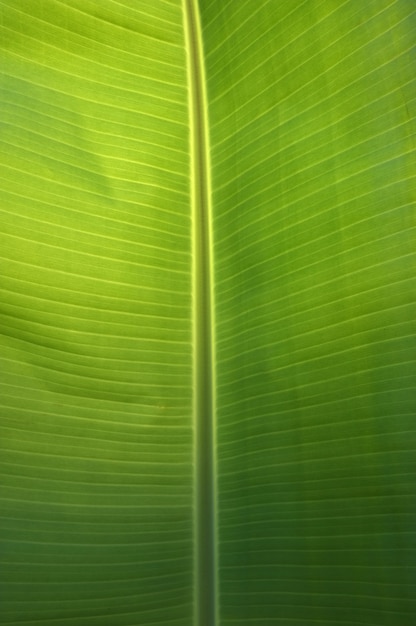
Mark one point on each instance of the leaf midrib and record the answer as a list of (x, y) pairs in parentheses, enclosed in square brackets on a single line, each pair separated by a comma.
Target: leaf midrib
[(204, 395)]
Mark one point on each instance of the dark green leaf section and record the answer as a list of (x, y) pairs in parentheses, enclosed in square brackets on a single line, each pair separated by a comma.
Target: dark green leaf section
[(312, 132), (96, 315)]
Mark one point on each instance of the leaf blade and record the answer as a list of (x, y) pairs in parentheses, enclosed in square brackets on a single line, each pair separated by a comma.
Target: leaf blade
[(96, 348)]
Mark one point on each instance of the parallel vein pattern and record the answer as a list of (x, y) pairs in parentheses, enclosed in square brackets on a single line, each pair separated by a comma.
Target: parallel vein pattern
[(312, 134), (96, 343)]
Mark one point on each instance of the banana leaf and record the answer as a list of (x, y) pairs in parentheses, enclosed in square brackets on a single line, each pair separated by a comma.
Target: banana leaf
[(207, 312)]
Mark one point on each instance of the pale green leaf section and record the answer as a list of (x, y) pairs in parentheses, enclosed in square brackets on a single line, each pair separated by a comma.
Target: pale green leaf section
[(312, 108), (96, 320)]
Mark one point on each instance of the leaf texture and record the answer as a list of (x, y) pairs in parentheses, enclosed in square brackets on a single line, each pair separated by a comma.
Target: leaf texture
[(311, 109), (97, 460), (309, 174)]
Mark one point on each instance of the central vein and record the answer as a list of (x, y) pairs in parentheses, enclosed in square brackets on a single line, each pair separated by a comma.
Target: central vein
[(204, 398)]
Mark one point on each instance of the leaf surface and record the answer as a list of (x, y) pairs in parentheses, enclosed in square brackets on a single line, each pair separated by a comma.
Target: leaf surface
[(232, 262), (97, 515)]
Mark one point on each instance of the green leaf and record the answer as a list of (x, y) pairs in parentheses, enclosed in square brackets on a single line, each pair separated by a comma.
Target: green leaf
[(207, 312)]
